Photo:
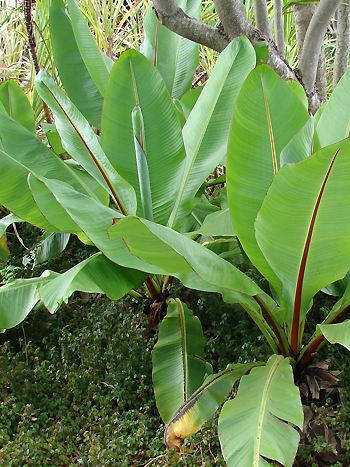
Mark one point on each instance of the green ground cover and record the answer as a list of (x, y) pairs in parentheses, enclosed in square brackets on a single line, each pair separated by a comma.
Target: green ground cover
[(76, 386)]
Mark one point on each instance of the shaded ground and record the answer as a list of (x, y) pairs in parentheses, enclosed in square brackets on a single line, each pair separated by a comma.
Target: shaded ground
[(76, 386)]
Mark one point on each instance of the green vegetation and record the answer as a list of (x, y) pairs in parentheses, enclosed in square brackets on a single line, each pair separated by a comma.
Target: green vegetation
[(113, 166)]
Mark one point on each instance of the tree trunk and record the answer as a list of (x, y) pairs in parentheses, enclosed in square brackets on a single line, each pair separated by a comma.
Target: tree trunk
[(302, 17), (343, 41)]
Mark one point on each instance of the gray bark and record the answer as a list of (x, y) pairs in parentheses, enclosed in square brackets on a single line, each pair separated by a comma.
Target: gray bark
[(276, 62), (171, 16), (233, 17), (302, 17), (343, 41), (262, 18), (313, 43), (278, 22)]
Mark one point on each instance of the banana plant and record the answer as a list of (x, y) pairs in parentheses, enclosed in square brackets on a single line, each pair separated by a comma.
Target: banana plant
[(115, 159), (131, 192), (290, 215), (175, 57)]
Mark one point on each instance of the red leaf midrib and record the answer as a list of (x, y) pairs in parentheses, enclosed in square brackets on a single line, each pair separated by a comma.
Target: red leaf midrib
[(301, 273)]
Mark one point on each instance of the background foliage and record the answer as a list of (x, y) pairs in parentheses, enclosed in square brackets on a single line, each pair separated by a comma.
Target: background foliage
[(76, 386)]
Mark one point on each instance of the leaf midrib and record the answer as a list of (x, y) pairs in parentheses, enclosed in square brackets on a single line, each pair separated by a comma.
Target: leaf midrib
[(92, 155), (304, 257), (262, 411), (188, 167), (182, 324)]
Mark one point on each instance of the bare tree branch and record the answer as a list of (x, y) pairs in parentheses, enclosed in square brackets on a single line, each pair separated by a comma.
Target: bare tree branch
[(276, 62), (278, 22), (343, 41), (313, 42), (303, 14), (27, 7), (233, 17), (262, 18), (171, 16)]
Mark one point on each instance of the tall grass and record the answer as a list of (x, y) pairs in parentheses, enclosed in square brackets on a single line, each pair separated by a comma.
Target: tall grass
[(117, 26)]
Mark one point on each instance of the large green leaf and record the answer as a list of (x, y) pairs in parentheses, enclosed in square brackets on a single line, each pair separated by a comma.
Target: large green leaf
[(175, 57), (6, 221), (143, 245), (188, 100), (50, 245), (52, 210), (228, 248), (207, 128), (338, 288), (337, 333), (18, 298), (15, 194), (93, 59), (255, 427), (16, 104), (267, 116), (22, 154), (53, 138), (82, 144), (334, 121), (96, 274), (218, 224), (140, 244), (338, 310), (178, 255), (178, 361), (134, 82), (203, 403), (72, 70), (340, 306), (300, 146), (303, 227), (142, 164)]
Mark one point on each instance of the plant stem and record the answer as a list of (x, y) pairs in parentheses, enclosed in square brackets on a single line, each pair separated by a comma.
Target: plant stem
[(295, 334), (135, 294), (151, 288), (167, 282), (317, 341), (279, 333), (262, 325), (216, 181)]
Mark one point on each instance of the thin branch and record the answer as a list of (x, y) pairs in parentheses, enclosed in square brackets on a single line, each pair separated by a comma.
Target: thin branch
[(262, 18), (233, 17), (314, 41), (27, 7), (343, 41), (277, 62), (171, 16), (303, 14), (278, 22)]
